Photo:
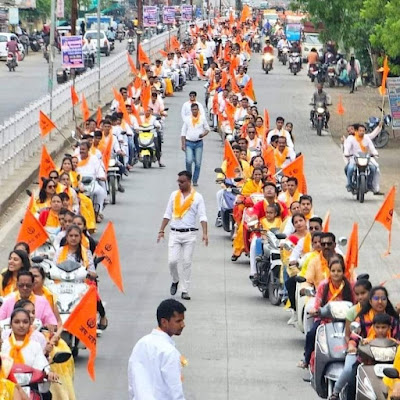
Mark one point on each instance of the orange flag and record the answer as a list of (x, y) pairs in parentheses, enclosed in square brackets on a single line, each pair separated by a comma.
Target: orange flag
[(269, 159), (249, 90), (175, 43), (215, 105), (246, 13), (235, 87), (107, 152), (325, 223), (85, 109), (198, 67), (99, 116), (163, 53), (135, 112), (226, 53), (31, 200), (266, 121), (46, 165), (296, 169), (130, 94), (74, 96), (340, 109), (137, 83), (230, 113), (132, 64), (224, 79), (352, 252), (385, 214), (386, 69), (32, 231), (142, 56), (82, 324), (145, 96), (46, 125), (108, 247), (231, 19), (232, 163)]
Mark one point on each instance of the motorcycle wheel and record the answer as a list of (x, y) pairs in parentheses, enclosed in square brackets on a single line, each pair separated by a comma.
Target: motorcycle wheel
[(381, 140), (319, 127), (295, 73), (331, 82), (9, 68), (313, 79), (113, 188), (362, 188), (273, 289), (22, 56), (146, 162), (266, 70)]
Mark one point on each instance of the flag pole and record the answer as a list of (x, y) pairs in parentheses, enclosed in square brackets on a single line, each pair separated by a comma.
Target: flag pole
[(369, 230), (67, 139)]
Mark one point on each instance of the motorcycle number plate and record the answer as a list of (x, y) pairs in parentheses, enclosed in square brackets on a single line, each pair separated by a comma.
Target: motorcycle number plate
[(378, 369), (66, 288), (145, 153)]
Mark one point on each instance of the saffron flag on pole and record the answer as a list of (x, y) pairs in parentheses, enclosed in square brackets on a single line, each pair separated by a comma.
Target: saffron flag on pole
[(46, 165), (269, 160), (326, 221), (107, 152), (82, 324), (296, 169), (85, 109), (385, 214), (99, 116), (232, 163), (74, 96), (249, 90), (132, 65), (386, 69), (142, 56), (352, 252), (108, 248), (46, 125), (32, 231)]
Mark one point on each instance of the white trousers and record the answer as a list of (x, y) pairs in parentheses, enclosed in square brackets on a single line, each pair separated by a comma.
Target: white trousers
[(181, 246), (307, 321), (100, 194), (220, 195), (253, 269)]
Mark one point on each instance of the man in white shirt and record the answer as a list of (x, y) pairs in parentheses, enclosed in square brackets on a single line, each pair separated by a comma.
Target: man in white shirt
[(242, 111), (186, 108), (279, 131), (209, 51), (194, 129), (359, 143), (169, 65), (184, 207), (155, 365), (91, 166)]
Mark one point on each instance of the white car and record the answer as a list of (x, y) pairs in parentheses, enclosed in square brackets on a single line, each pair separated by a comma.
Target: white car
[(104, 42), (311, 40), (6, 37)]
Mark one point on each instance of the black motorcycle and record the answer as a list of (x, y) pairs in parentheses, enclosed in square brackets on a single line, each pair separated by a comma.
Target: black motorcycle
[(319, 117), (382, 139)]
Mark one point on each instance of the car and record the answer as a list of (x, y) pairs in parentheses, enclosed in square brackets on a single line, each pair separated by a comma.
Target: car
[(105, 47), (6, 37), (311, 40)]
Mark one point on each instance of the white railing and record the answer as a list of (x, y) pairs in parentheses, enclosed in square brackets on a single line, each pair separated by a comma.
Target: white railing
[(20, 135)]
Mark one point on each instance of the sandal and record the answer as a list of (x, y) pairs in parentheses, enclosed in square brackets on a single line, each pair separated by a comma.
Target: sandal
[(302, 365), (334, 396)]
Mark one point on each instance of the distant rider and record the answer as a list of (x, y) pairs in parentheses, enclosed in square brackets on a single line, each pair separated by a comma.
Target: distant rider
[(320, 96)]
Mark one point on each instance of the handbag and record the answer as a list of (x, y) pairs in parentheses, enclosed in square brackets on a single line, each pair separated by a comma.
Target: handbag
[(358, 82)]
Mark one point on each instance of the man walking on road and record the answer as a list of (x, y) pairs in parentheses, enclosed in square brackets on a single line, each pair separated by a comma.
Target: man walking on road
[(155, 365), (186, 108), (184, 207), (194, 129)]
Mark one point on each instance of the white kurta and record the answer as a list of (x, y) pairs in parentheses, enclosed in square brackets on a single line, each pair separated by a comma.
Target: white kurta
[(154, 370)]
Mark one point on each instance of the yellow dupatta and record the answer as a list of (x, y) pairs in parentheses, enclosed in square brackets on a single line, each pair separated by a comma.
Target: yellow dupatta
[(280, 158), (84, 162), (276, 223), (16, 349), (335, 292), (64, 256), (195, 120), (251, 187), (290, 199), (307, 245), (52, 220), (179, 209)]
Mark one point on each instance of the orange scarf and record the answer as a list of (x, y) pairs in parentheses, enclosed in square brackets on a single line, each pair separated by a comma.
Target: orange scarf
[(64, 255), (179, 210), (290, 199), (82, 163), (16, 349), (307, 246), (359, 141), (280, 158), (49, 296), (335, 292), (53, 220), (195, 120), (260, 132), (324, 265), (85, 241), (158, 70)]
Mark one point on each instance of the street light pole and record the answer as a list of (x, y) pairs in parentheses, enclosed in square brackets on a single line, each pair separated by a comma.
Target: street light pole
[(98, 53), (51, 63)]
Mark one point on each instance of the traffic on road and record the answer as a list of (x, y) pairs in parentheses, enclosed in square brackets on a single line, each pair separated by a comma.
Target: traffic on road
[(221, 138)]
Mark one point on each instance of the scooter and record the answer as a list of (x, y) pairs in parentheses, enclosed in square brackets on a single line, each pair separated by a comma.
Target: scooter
[(120, 36), (382, 139), (11, 61), (284, 55), (28, 378), (294, 63), (360, 176), (131, 46), (267, 62), (313, 72), (303, 295), (147, 146), (330, 348), (269, 265), (376, 356), (331, 75), (89, 183), (88, 57), (257, 44)]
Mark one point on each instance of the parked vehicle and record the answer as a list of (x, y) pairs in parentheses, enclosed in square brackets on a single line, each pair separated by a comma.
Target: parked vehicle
[(5, 37), (310, 41), (105, 47), (382, 139)]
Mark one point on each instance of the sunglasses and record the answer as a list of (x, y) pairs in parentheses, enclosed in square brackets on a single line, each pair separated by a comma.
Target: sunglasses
[(50, 187), (381, 298), (53, 177), (25, 285), (314, 228), (326, 244)]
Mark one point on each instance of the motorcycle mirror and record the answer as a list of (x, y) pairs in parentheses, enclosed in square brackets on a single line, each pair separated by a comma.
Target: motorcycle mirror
[(218, 171), (355, 327), (37, 259), (237, 179), (61, 357), (166, 109), (280, 236), (342, 241), (391, 373), (300, 279)]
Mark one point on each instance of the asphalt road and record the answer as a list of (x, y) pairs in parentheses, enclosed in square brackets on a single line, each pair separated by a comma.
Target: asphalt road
[(30, 80), (238, 346)]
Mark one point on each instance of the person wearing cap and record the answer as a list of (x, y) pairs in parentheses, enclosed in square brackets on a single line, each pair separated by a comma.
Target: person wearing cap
[(186, 108)]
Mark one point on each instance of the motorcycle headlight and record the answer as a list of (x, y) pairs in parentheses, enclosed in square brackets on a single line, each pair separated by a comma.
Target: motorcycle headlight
[(383, 354), (320, 110), (112, 162), (268, 57), (362, 162), (130, 40)]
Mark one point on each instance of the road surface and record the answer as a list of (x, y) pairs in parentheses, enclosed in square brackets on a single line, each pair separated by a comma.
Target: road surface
[(238, 346)]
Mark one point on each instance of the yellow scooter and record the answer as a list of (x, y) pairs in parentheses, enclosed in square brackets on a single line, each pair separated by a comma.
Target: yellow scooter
[(147, 146)]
